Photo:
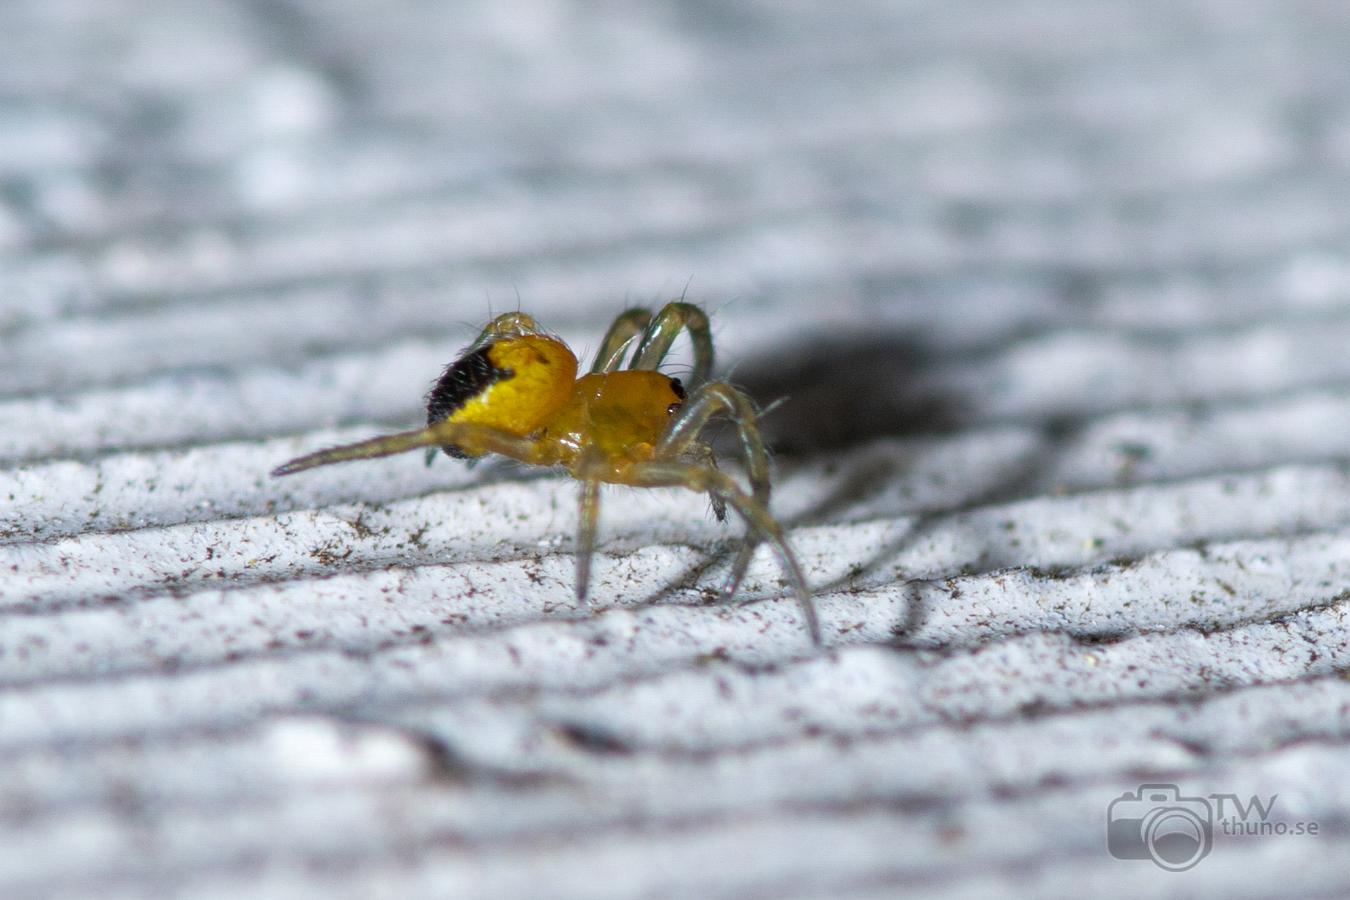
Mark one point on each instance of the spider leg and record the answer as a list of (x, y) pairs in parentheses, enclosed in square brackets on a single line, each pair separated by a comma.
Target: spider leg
[(507, 323), (663, 473), (628, 325), (703, 453), (681, 436), (588, 520), (662, 331), (473, 438)]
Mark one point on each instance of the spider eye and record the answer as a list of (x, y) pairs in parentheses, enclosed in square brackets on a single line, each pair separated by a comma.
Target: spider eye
[(677, 388), (673, 408)]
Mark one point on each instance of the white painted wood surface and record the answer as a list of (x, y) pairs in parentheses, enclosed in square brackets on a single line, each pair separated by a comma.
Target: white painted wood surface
[(1058, 293)]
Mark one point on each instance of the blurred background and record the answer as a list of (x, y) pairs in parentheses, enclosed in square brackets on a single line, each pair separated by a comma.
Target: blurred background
[(230, 187), (1051, 300), (222, 184)]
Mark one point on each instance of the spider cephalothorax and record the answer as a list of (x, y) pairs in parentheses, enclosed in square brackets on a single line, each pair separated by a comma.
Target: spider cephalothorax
[(515, 392)]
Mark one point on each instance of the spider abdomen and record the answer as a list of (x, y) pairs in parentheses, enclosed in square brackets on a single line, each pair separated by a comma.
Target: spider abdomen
[(514, 384)]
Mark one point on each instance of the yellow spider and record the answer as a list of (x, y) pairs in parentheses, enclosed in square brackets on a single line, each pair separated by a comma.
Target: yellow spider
[(515, 392)]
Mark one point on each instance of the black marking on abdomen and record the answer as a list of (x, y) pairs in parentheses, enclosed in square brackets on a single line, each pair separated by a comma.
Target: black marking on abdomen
[(464, 379)]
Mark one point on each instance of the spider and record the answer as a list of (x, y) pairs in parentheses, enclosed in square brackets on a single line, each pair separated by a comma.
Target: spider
[(515, 392)]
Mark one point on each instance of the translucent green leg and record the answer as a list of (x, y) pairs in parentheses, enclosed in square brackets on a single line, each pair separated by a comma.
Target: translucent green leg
[(704, 454), (663, 330), (588, 470), (507, 323), (681, 438), (629, 324), (478, 438), (757, 519)]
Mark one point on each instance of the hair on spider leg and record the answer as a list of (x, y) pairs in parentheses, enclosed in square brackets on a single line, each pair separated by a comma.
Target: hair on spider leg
[(772, 405), (515, 393)]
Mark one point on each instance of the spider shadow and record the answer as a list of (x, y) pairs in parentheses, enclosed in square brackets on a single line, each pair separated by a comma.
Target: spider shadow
[(842, 392)]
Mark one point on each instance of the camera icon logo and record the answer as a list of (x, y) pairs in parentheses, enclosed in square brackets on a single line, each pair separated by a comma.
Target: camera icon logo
[(1157, 823)]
